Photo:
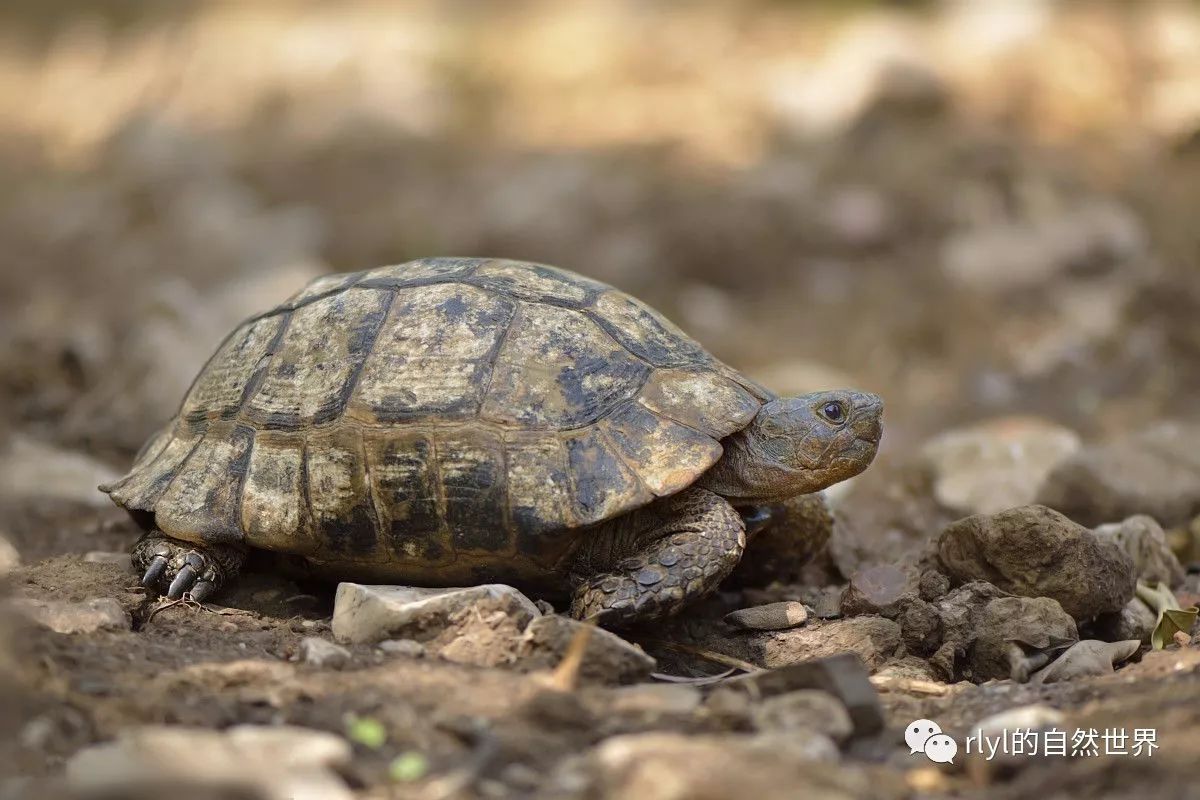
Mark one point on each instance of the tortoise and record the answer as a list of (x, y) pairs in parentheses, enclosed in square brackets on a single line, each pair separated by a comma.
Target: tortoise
[(453, 421)]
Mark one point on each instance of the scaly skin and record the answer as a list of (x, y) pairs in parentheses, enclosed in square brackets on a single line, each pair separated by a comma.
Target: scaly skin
[(650, 564)]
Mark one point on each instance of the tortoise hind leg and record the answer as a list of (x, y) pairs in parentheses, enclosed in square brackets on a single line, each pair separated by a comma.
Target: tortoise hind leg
[(173, 567), (653, 562)]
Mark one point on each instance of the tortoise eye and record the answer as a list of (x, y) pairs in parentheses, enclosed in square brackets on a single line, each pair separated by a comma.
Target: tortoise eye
[(833, 411)]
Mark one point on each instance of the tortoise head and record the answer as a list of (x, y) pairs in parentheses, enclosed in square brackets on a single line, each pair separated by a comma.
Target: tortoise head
[(799, 445)]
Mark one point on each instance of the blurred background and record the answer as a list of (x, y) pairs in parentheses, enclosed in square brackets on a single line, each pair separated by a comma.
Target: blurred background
[(973, 207)]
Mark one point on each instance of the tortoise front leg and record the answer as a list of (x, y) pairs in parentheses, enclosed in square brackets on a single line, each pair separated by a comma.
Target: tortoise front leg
[(653, 562), (173, 567)]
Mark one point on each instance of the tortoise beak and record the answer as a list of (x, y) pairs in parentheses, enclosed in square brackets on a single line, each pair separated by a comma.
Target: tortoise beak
[(867, 416)]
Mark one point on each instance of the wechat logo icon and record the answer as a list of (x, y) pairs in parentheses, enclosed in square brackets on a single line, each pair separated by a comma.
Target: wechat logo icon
[(925, 736)]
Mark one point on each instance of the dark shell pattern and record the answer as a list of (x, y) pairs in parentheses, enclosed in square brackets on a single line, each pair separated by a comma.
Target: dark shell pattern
[(436, 413)]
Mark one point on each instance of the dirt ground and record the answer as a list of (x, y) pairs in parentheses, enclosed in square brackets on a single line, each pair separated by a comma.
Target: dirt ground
[(992, 215)]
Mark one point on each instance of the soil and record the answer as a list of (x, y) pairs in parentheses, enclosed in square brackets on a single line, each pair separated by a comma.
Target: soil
[(969, 239)]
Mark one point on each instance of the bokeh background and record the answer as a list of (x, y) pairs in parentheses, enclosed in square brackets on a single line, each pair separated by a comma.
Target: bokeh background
[(973, 207)]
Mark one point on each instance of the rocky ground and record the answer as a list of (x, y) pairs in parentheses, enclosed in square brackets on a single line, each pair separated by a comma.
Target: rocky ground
[(996, 234)]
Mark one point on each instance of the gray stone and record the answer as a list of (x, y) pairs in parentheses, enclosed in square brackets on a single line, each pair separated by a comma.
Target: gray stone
[(933, 585), (883, 589), (843, 676), (996, 464), (323, 654), (672, 766), (276, 762), (607, 659), (409, 648), (920, 627), (1135, 621), (770, 617), (89, 616), (1087, 659), (1154, 472), (364, 613), (1037, 552), (806, 709), (1146, 543), (1031, 624)]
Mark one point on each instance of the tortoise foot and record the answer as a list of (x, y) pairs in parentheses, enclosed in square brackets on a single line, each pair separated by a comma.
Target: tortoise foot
[(176, 568)]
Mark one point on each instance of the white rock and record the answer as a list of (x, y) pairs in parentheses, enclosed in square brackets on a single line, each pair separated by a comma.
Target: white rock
[(323, 653), (122, 560), (36, 469), (364, 613), (101, 613), (10, 559), (279, 762), (998, 464), (1005, 723)]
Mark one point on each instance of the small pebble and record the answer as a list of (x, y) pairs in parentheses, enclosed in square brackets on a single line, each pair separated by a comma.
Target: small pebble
[(323, 654), (771, 617), (409, 648)]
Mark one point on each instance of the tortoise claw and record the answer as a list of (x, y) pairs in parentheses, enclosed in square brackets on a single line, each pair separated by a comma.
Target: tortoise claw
[(183, 582), (203, 590), (155, 572)]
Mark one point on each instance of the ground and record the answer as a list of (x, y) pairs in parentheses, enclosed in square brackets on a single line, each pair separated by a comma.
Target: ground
[(975, 226)]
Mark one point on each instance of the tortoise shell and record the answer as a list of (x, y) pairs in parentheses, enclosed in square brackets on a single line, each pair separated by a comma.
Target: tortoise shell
[(439, 412)]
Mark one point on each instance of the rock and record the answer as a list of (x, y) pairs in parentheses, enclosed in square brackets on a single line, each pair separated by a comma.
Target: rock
[(1146, 543), (364, 613), (607, 659), (1037, 552), (655, 700), (409, 648), (882, 590), (999, 464), (99, 614), (933, 585), (1154, 472), (1086, 659), (120, 560), (988, 750), (671, 766), (873, 639), (1135, 621), (1035, 624), (10, 559), (322, 653), (920, 627), (843, 676), (771, 617), (276, 762), (804, 710), (36, 469)]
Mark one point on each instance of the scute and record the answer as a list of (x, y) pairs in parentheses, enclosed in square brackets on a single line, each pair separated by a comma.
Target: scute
[(558, 370), (310, 374), (536, 282), (647, 333), (433, 355)]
